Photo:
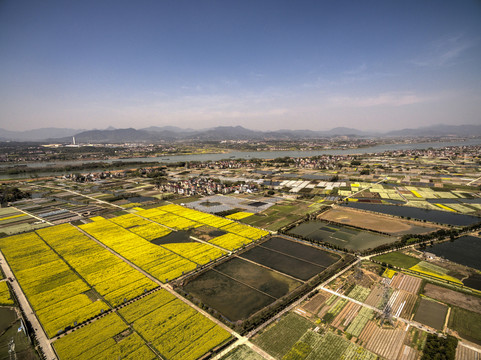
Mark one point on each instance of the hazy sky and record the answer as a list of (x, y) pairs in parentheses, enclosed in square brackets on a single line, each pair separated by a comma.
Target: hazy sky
[(375, 65)]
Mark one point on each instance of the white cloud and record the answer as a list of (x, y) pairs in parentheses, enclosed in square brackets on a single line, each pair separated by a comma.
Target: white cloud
[(444, 52), (386, 99)]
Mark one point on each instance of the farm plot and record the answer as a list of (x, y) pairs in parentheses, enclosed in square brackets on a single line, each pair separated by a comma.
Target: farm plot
[(239, 215), (397, 259), (408, 353), (431, 313), (375, 297), (243, 352), (313, 305), (466, 323), (328, 346), (344, 318), (407, 283), (106, 338), (230, 241), (55, 291), (429, 269), (402, 303), (468, 302), (13, 221), (359, 293), (386, 342), (279, 338), (175, 329), (375, 222), (112, 278), (362, 318), (157, 261), (465, 353)]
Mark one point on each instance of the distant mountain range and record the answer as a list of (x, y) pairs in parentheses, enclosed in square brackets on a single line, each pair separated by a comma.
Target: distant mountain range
[(166, 133)]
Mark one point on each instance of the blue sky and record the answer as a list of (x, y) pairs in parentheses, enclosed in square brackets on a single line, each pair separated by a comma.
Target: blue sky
[(374, 65)]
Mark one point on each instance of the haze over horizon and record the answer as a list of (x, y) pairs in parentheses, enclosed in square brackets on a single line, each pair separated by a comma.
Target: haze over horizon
[(373, 65)]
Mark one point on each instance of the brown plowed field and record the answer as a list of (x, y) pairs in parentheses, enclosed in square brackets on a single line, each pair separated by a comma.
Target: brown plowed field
[(406, 282), (374, 296), (452, 297), (408, 353), (374, 222), (464, 353), (386, 342), (346, 313), (315, 303), (368, 331)]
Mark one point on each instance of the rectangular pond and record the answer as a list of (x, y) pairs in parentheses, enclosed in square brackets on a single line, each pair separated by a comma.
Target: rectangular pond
[(238, 288), (287, 264), (301, 251), (341, 236)]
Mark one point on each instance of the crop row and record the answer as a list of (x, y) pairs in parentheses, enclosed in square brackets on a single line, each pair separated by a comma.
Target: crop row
[(159, 262), (175, 329), (112, 278), (359, 293), (170, 220), (337, 307), (433, 270), (230, 241), (198, 216), (197, 252), (246, 231), (239, 215), (361, 319), (51, 286)]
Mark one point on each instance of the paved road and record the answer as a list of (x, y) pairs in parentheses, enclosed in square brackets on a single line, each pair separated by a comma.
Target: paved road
[(42, 338)]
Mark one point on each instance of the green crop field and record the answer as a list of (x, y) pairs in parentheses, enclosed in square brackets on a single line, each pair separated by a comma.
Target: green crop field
[(280, 338), (466, 323), (242, 352), (397, 259)]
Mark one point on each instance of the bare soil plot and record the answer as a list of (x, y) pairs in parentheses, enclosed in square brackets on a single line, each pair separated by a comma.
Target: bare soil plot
[(465, 353), (374, 222), (375, 296), (315, 303), (452, 297), (408, 353), (406, 282), (347, 314), (386, 342), (431, 313)]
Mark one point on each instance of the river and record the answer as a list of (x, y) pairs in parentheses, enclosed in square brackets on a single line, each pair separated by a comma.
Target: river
[(241, 155)]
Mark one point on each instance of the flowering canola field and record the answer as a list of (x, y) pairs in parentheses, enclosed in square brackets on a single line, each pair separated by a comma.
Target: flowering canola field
[(110, 276), (161, 263), (54, 290), (175, 329)]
